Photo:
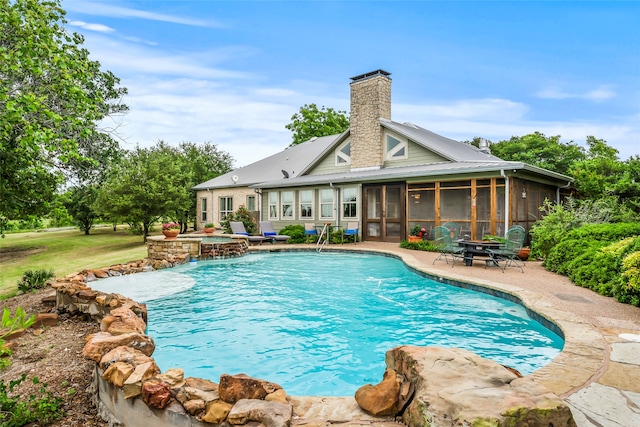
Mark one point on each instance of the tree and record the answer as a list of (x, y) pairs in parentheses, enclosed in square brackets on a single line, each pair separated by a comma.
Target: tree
[(157, 182), (81, 206), (143, 188), (311, 121), (539, 150), (52, 98), (200, 163)]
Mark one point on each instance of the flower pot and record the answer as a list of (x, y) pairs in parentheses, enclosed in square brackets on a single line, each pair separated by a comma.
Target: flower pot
[(414, 239), (209, 230), (524, 254), (170, 234)]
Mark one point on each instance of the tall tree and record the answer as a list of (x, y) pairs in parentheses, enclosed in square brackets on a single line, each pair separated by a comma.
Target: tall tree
[(200, 163), (154, 183), (311, 121), (142, 188), (539, 150), (52, 97)]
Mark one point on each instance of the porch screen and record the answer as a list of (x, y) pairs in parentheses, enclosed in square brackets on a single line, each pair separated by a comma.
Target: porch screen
[(455, 201)]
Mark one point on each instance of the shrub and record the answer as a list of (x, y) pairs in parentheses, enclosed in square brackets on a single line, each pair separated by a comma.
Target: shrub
[(16, 411), (422, 245), (550, 230), (33, 280), (296, 232), (627, 287), (241, 215)]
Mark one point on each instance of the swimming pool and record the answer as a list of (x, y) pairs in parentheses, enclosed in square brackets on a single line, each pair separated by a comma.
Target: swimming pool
[(320, 324)]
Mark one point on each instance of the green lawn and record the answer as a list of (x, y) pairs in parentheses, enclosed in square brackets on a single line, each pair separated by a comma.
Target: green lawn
[(64, 252)]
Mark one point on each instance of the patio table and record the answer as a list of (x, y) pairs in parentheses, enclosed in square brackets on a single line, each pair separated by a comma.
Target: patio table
[(477, 248)]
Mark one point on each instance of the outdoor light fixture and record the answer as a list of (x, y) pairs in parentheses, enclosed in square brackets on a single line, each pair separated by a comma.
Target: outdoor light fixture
[(524, 193)]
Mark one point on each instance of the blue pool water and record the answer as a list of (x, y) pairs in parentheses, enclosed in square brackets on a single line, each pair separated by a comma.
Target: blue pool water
[(320, 324)]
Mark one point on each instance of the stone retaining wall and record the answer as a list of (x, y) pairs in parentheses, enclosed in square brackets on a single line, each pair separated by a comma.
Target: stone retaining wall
[(128, 387), (160, 248)]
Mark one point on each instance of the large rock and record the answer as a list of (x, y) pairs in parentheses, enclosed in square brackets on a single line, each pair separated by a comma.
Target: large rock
[(457, 387), (122, 320), (132, 387), (117, 373), (217, 412), (156, 394), (124, 354), (271, 414), (381, 399), (100, 343), (236, 387)]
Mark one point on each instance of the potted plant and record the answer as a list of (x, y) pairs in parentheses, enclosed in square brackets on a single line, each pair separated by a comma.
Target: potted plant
[(416, 233), (170, 230), (209, 227)]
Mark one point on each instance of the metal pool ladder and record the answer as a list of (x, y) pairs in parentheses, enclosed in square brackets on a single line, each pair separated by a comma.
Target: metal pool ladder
[(324, 237)]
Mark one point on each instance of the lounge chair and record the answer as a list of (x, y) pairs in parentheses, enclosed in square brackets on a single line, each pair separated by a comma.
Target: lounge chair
[(514, 240), (351, 230), (237, 227), (266, 228), (446, 246)]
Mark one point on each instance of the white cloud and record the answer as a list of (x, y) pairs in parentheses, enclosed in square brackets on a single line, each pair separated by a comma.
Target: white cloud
[(92, 27), (599, 94), (105, 9)]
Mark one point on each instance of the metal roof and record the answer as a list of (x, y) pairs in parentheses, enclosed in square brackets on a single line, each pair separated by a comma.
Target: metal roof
[(448, 148), (415, 171), (293, 160)]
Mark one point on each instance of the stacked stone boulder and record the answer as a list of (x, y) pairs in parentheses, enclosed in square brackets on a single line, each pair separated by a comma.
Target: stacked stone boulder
[(122, 352), (430, 386)]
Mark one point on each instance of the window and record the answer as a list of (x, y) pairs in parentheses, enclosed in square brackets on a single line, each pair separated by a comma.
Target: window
[(226, 207), (251, 203), (286, 198), (350, 202), (306, 204), (326, 203), (203, 209), (343, 154), (396, 149), (273, 205)]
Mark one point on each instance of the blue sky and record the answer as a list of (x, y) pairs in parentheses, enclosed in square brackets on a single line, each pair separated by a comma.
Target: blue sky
[(234, 72)]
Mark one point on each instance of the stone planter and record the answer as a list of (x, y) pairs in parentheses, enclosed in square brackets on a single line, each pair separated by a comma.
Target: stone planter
[(170, 234), (209, 230)]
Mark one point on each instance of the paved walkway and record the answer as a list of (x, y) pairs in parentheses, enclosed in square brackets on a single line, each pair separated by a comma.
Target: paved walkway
[(597, 373)]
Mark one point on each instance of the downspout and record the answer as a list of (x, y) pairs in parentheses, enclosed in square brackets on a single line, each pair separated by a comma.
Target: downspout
[(212, 214), (335, 204), (558, 191), (506, 199)]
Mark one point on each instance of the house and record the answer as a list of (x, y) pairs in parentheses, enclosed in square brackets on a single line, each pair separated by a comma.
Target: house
[(387, 176)]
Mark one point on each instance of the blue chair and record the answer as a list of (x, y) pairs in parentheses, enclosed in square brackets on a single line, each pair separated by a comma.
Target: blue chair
[(310, 230), (351, 230), (266, 227)]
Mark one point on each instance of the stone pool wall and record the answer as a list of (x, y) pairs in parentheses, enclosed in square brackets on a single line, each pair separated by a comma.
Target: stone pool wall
[(159, 247), (129, 388)]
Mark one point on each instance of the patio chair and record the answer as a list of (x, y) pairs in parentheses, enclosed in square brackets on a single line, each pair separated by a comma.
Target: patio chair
[(237, 227), (310, 230), (446, 246), (453, 228), (266, 228), (508, 253), (351, 230)]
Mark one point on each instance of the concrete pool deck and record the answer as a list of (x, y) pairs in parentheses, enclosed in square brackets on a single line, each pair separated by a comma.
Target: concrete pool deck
[(598, 372)]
